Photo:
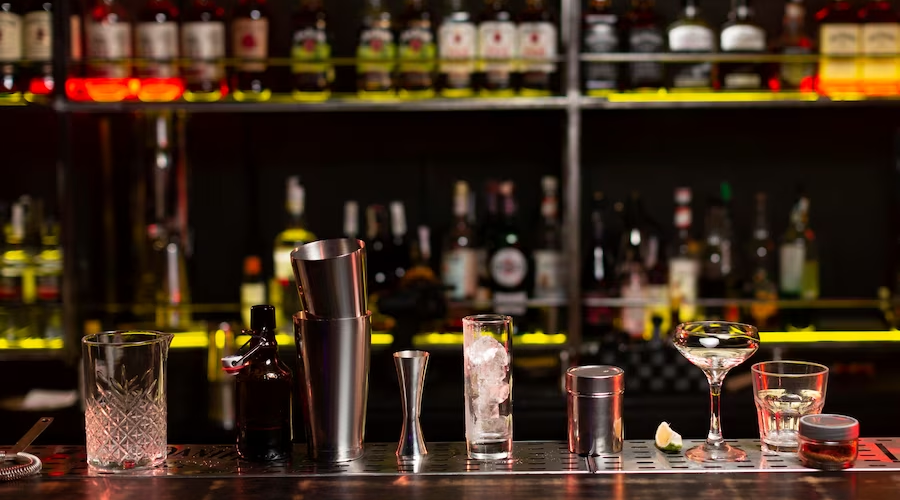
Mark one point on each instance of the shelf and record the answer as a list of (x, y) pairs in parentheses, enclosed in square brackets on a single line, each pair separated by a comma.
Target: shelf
[(780, 304)]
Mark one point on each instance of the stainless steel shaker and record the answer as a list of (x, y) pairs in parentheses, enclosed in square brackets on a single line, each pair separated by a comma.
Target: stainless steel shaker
[(594, 406)]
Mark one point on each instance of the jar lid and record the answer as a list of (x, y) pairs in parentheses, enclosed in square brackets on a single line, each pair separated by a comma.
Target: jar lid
[(828, 427), (595, 379)]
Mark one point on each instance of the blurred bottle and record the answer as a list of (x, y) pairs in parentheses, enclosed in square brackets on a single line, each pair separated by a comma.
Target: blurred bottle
[(684, 262), (497, 50), (400, 260), (48, 271), (37, 47), (311, 53), (376, 53), (880, 45), (11, 29), (717, 273), (690, 33), (644, 34), (763, 290), (156, 37), (486, 234), (456, 46), (795, 40), (250, 47), (378, 246), (840, 42), (658, 310), (420, 270), (630, 272), (16, 274), (601, 36), (203, 45), (742, 35), (283, 291), (253, 287), (537, 48), (108, 50), (460, 262), (351, 219), (599, 279), (417, 51), (799, 264), (549, 266), (507, 261)]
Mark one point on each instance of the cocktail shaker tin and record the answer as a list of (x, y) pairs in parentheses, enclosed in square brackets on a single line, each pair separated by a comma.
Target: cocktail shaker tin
[(594, 406)]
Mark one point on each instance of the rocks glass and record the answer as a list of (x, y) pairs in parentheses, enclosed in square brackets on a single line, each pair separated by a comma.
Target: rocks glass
[(487, 359)]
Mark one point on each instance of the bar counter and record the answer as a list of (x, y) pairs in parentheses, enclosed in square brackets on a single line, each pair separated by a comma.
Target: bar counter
[(538, 470)]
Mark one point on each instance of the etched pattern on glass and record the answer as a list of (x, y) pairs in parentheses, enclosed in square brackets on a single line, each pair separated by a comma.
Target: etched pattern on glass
[(125, 421)]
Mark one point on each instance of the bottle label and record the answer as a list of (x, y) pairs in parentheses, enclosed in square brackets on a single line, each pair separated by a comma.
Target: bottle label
[(417, 44), (456, 42), (497, 51), (48, 287), (10, 36), (633, 315), (203, 44), (509, 267), (282, 263), (461, 273), (691, 38), (110, 41), (743, 81), (512, 303), (647, 40), (793, 256), (250, 42), (376, 45), (549, 272), (10, 287), (839, 39), (743, 38), (537, 41), (75, 45), (684, 275), (38, 36), (881, 39), (157, 42), (310, 51), (600, 38)]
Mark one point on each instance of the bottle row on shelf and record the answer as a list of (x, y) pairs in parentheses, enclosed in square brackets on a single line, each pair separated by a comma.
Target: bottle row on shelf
[(30, 272), (161, 53)]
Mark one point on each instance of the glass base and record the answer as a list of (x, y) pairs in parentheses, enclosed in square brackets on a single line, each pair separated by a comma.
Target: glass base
[(490, 450), (724, 453)]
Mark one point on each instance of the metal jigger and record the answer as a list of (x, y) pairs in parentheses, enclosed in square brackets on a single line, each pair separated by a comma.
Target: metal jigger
[(411, 366)]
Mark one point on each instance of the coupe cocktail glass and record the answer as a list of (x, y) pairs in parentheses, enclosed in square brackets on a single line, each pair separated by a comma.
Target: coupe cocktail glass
[(716, 347)]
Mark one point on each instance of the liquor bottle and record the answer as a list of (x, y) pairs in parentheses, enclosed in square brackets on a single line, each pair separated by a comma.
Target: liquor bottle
[(880, 44), (684, 262), (10, 51), (456, 47), (717, 269), (507, 261), (253, 287), (537, 49), (630, 272), (644, 34), (420, 271), (48, 270), (417, 51), (351, 219), (250, 47), (283, 291), (108, 52), (657, 313), (311, 53), (37, 47), (376, 52), (601, 36), (485, 235), (599, 279), (399, 250), (157, 52), (378, 246), (16, 275), (741, 35), (799, 264), (840, 42), (549, 267), (263, 394), (460, 260), (691, 34), (203, 45), (497, 50), (795, 41), (762, 285)]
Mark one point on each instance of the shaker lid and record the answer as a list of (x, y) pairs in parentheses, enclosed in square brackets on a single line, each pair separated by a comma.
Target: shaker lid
[(595, 379), (829, 427)]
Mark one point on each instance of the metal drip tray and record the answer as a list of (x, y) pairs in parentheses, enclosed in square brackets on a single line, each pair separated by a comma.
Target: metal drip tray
[(450, 459)]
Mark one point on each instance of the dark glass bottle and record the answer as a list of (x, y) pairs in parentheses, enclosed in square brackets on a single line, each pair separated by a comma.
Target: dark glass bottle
[(378, 249), (263, 394), (537, 47), (601, 36), (417, 51), (250, 47), (761, 285), (741, 35), (203, 45), (37, 46), (457, 37), (311, 53), (10, 51), (156, 38), (691, 34), (631, 274), (645, 35), (496, 50), (376, 53), (599, 279), (507, 261), (795, 40)]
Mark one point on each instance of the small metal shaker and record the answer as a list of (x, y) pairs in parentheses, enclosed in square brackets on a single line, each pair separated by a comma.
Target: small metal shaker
[(411, 366), (595, 409)]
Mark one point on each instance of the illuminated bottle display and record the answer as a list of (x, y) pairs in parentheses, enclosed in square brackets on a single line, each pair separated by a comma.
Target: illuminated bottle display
[(537, 48), (691, 34), (10, 51), (601, 36), (156, 40), (839, 46), (376, 52), (310, 53), (741, 35), (203, 45), (37, 46), (108, 52), (417, 50), (880, 34), (456, 47), (497, 50), (250, 47)]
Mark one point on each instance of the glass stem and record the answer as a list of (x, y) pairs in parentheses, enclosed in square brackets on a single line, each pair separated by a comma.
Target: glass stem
[(714, 439)]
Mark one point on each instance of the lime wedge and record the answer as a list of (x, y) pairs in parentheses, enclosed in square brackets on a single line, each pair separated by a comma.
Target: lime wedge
[(667, 439)]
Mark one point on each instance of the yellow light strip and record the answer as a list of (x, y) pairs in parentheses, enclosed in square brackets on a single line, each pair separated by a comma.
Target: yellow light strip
[(455, 338), (664, 96), (188, 340), (812, 337), (32, 344)]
